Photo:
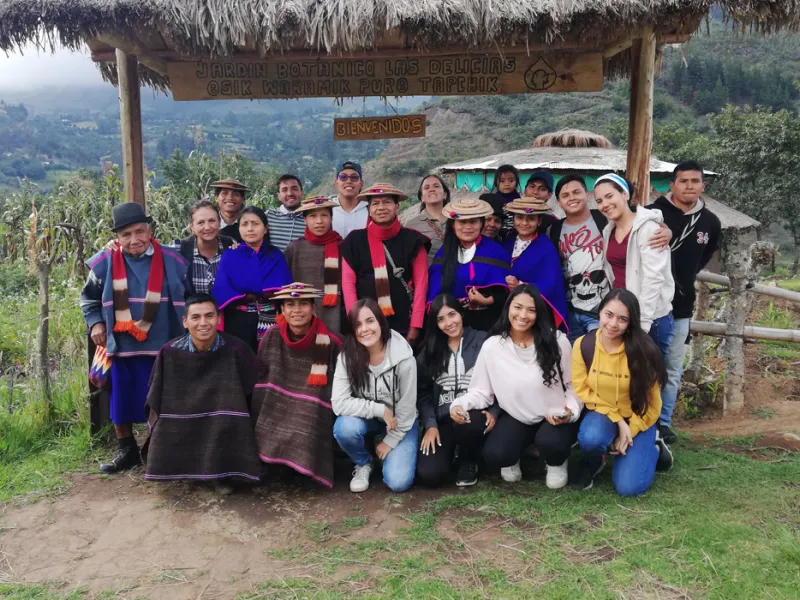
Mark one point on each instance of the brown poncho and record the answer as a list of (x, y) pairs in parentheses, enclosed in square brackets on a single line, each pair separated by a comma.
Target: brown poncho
[(295, 422), (198, 413), (307, 263)]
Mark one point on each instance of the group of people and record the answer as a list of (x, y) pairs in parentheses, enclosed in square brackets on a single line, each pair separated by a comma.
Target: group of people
[(483, 327)]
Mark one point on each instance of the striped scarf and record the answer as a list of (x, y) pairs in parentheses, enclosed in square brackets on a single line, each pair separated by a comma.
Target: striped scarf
[(376, 235), (124, 322), (317, 333), (330, 277)]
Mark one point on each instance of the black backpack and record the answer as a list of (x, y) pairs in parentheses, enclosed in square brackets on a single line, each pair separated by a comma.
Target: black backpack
[(588, 343)]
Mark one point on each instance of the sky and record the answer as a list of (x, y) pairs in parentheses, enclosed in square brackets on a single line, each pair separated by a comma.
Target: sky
[(36, 68)]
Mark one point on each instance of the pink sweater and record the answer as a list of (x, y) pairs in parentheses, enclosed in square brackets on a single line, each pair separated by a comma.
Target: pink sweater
[(518, 387), (419, 277)]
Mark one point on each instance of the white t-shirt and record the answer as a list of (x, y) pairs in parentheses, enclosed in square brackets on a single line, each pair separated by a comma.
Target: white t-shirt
[(344, 222)]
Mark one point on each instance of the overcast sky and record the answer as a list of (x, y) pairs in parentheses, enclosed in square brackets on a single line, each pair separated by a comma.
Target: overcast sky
[(36, 69)]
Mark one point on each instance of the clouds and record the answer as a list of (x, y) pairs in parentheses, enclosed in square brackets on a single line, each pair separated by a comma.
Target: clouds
[(35, 69)]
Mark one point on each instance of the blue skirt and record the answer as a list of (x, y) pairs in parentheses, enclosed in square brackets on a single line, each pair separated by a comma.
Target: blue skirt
[(130, 381)]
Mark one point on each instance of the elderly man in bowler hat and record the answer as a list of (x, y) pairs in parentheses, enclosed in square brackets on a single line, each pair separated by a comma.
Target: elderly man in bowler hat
[(229, 194), (132, 304)]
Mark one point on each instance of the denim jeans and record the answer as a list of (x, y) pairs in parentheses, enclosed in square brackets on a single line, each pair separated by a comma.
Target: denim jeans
[(580, 324), (634, 472), (398, 466), (661, 332), (675, 356)]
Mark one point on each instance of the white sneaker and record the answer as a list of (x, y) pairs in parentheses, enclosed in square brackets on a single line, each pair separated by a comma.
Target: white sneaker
[(360, 480), (511, 474), (556, 476)]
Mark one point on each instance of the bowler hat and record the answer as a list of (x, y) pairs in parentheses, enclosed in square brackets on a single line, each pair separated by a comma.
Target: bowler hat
[(127, 214)]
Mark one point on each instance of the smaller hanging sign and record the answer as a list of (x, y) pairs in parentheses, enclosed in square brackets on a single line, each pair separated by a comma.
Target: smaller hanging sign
[(379, 128)]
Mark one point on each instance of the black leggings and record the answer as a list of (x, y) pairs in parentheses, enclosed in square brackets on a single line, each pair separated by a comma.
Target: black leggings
[(509, 438), (433, 468)]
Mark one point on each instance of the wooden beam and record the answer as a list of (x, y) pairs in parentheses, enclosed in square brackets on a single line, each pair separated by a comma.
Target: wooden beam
[(615, 49), (130, 110), (749, 332), (640, 138), (758, 288), (131, 47)]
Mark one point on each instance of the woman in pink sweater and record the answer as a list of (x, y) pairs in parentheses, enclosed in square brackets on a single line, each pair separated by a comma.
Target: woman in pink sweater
[(525, 366)]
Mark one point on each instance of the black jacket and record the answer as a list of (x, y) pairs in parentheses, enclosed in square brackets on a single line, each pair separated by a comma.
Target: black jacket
[(695, 238), (428, 391), (231, 231)]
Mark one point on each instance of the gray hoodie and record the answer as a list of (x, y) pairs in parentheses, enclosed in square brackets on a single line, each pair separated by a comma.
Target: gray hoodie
[(395, 386)]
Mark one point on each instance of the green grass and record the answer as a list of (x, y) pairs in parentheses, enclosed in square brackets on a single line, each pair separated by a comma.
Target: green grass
[(729, 532), (790, 284), (38, 592), (778, 318)]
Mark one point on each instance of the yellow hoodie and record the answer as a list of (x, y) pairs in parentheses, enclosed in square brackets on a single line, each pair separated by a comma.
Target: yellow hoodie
[(606, 387)]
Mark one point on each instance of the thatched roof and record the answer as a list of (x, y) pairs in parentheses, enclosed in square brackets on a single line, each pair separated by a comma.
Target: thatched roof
[(572, 138), (211, 28)]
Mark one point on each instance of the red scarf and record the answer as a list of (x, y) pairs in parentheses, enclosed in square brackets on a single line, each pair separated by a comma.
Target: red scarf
[(330, 274), (122, 311), (376, 235), (318, 334)]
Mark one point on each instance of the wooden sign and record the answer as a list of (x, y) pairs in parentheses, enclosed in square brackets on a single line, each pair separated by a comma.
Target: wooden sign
[(456, 75), (379, 128)]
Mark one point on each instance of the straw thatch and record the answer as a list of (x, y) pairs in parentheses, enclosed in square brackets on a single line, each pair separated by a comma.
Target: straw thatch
[(572, 138), (220, 27)]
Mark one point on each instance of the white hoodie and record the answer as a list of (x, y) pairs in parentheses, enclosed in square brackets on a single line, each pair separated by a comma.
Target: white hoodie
[(648, 271), (395, 387)]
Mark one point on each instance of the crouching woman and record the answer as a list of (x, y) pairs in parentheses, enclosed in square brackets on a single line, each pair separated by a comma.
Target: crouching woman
[(618, 372), (525, 367), (374, 395)]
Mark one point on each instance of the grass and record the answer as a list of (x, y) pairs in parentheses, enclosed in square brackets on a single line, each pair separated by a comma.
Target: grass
[(778, 318), (720, 526)]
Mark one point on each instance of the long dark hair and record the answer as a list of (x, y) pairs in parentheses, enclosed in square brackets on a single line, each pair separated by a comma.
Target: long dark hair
[(505, 169), (436, 352), (545, 340), (356, 356), (450, 248), (254, 210), (445, 188), (645, 361)]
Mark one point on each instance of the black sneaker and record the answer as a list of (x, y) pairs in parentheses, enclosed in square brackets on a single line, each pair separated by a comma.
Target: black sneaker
[(665, 459), (667, 434), (589, 469), (127, 458), (467, 474)]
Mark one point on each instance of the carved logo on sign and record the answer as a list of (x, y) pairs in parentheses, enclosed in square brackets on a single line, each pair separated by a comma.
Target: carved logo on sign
[(540, 76)]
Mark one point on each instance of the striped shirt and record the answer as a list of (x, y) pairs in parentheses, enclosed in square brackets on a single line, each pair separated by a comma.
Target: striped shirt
[(284, 227)]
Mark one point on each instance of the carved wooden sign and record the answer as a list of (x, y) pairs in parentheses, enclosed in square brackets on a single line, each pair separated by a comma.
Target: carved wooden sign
[(379, 128), (252, 78)]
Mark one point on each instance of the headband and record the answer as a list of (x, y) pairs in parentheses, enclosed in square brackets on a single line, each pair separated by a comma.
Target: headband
[(616, 179)]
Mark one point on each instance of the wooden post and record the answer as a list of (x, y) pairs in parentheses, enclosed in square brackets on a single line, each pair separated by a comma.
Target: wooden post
[(130, 111), (640, 127)]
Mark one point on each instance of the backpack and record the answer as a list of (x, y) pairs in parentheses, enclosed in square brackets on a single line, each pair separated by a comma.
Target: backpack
[(588, 343)]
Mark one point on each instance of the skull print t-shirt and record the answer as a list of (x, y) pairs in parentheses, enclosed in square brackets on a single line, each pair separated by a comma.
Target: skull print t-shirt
[(581, 250)]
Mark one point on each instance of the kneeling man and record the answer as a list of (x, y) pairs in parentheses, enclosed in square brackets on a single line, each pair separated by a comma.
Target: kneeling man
[(293, 393), (198, 408)]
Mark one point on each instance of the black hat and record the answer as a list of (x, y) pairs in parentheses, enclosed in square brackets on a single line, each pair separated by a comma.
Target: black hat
[(497, 201), (127, 214)]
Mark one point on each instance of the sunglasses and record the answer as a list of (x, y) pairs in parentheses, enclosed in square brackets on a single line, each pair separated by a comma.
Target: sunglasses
[(595, 277), (345, 177)]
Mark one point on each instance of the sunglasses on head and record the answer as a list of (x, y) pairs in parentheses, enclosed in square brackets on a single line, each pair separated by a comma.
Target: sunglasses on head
[(345, 177)]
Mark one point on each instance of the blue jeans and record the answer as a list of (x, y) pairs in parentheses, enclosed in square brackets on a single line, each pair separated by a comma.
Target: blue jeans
[(398, 466), (634, 472), (661, 332), (675, 357), (580, 324)]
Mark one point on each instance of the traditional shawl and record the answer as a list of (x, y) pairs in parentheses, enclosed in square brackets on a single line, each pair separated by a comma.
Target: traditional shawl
[(331, 277), (306, 262), (124, 323), (199, 413), (243, 271), (376, 235), (540, 265), (295, 419), (489, 267), (319, 340)]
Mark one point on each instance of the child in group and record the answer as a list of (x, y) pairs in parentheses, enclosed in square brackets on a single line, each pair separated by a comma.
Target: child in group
[(618, 372)]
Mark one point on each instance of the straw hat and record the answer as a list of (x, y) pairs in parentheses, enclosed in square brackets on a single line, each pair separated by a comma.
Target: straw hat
[(382, 189), (313, 203), (230, 184), (468, 208), (297, 291), (528, 206)]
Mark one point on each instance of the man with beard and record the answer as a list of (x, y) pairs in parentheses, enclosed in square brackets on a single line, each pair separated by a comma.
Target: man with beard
[(285, 223)]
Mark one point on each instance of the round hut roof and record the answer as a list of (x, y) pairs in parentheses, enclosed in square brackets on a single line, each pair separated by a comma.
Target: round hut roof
[(572, 138)]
